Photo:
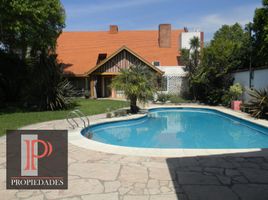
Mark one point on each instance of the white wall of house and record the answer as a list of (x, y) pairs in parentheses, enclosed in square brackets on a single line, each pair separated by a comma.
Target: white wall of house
[(176, 85), (186, 37), (259, 80), (176, 79)]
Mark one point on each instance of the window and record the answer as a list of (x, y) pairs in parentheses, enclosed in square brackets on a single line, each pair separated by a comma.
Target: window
[(101, 57), (156, 63), (162, 83)]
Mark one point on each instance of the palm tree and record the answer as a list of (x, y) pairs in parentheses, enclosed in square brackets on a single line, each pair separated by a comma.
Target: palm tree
[(138, 83), (191, 59), (195, 51)]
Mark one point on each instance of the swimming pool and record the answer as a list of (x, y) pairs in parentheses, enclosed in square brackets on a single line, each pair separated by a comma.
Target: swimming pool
[(193, 128)]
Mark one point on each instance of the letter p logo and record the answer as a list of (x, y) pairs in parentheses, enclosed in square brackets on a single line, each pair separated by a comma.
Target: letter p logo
[(29, 154)]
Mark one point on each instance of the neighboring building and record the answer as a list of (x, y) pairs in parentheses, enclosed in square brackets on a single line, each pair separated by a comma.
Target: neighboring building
[(92, 59), (187, 36)]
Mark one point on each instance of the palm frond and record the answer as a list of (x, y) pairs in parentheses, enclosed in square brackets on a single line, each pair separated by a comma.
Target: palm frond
[(258, 105)]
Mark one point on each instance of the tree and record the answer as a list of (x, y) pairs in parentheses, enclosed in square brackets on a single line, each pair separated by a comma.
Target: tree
[(224, 54), (260, 37), (28, 33), (191, 59), (138, 83), (30, 25), (49, 90), (13, 71)]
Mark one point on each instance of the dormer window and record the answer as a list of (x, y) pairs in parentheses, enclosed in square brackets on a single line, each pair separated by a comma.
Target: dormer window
[(156, 63), (101, 57)]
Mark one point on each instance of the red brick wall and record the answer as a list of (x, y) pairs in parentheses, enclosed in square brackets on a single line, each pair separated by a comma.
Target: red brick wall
[(164, 35), (113, 29)]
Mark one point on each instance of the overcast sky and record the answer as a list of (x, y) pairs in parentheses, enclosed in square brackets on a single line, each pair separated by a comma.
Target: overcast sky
[(205, 15)]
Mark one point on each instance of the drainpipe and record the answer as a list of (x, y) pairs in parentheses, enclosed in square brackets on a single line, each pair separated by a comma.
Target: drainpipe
[(250, 57)]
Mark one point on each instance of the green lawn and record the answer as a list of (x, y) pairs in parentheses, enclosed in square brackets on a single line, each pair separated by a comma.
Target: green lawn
[(13, 119)]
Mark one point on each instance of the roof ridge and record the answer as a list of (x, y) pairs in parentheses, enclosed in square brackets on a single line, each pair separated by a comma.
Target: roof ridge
[(118, 31)]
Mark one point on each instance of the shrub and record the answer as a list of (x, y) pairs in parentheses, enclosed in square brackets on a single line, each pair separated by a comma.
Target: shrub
[(61, 97), (177, 99), (226, 52), (12, 78), (214, 96), (258, 105), (48, 90), (121, 112), (109, 115), (163, 97)]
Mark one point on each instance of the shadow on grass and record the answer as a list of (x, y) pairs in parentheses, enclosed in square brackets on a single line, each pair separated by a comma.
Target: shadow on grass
[(238, 176)]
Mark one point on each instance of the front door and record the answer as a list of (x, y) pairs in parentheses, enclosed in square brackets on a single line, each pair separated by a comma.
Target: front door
[(107, 86)]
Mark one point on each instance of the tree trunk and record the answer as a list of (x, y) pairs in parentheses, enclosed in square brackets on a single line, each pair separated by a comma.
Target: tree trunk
[(133, 105), (194, 93)]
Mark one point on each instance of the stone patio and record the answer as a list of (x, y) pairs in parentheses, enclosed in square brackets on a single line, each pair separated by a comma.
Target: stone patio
[(97, 175), (101, 176)]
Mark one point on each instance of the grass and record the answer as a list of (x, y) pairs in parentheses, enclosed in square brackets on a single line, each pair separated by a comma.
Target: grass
[(162, 97), (12, 118), (177, 99)]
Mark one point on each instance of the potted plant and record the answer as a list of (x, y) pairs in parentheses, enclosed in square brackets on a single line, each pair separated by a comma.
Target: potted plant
[(109, 113), (235, 92)]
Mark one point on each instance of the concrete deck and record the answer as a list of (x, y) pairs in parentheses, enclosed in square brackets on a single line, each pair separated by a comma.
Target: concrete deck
[(95, 175)]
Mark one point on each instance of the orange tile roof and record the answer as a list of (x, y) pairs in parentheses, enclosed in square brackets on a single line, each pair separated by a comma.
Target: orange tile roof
[(80, 50)]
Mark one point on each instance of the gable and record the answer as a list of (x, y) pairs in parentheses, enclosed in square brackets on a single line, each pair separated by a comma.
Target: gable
[(121, 59)]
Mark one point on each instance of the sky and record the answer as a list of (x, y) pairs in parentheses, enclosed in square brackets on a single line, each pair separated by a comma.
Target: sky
[(204, 15)]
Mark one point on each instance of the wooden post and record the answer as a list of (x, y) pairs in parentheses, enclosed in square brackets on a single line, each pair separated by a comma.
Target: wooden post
[(113, 95), (102, 86), (92, 87), (86, 92), (86, 84)]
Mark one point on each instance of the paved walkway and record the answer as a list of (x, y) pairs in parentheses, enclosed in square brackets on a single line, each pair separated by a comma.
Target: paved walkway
[(102, 176)]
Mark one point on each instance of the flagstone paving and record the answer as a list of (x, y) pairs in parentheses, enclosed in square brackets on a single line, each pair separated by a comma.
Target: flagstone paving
[(102, 176)]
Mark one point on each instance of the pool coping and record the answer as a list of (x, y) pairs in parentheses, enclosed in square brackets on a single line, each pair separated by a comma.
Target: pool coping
[(76, 138)]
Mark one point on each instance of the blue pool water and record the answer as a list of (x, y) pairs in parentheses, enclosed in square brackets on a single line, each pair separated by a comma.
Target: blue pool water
[(182, 128)]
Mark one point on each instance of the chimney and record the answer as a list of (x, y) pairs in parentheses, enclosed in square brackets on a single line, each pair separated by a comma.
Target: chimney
[(164, 35), (113, 29)]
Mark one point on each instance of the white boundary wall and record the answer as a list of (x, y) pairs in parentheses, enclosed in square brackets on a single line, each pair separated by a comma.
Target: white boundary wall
[(259, 80)]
